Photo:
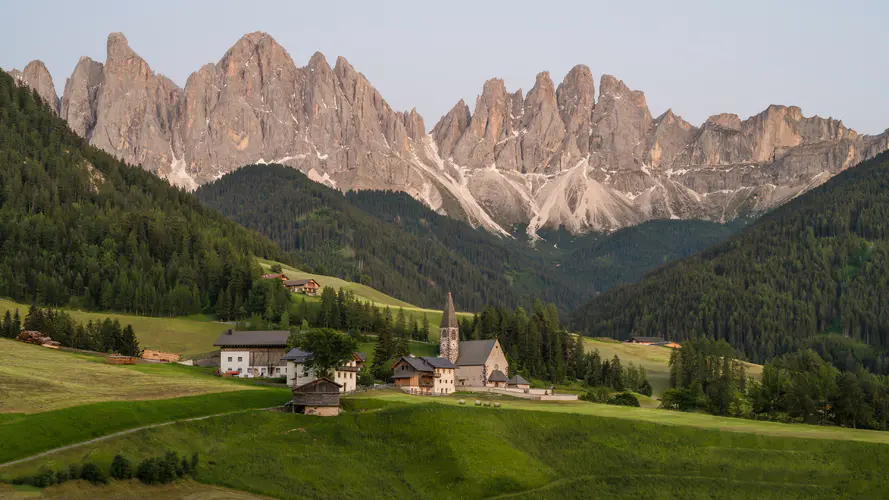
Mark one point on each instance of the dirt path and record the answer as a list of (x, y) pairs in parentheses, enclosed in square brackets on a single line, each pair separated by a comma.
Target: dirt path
[(124, 433)]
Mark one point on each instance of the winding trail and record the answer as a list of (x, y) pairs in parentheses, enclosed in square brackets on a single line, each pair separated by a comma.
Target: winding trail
[(128, 431)]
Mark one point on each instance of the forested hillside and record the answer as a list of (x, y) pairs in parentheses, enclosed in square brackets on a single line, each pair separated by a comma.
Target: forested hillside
[(399, 246), (80, 228), (819, 263)]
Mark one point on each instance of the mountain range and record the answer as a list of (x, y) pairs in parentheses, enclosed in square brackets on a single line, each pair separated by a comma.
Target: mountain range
[(554, 157)]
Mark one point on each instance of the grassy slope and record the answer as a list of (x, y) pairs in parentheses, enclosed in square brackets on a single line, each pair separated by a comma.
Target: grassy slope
[(430, 450), (36, 379), (81, 490), (655, 360), (413, 313), (417, 349), (187, 335)]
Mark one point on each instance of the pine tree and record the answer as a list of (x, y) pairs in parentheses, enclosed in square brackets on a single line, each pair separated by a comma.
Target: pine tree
[(424, 329)]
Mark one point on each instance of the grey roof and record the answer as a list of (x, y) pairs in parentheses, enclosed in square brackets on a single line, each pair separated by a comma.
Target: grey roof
[(427, 363), (259, 338), (439, 362), (404, 374), (497, 376), (475, 352), (298, 282), (362, 356), (449, 317), (518, 380), (297, 355)]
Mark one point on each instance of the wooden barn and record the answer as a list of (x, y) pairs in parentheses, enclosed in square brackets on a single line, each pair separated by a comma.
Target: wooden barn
[(306, 286), (319, 397)]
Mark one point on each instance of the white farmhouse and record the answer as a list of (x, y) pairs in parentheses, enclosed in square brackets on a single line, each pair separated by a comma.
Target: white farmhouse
[(249, 354)]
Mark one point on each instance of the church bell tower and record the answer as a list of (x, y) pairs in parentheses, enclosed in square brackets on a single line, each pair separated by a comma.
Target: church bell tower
[(449, 332)]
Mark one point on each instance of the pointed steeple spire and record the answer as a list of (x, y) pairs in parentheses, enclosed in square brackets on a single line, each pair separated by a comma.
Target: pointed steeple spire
[(449, 317)]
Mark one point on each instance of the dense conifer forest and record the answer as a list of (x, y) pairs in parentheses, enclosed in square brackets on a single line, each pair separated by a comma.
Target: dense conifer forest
[(817, 264), (79, 228), (399, 246)]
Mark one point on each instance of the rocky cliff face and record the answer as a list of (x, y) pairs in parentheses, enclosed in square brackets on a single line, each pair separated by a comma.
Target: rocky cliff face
[(556, 156)]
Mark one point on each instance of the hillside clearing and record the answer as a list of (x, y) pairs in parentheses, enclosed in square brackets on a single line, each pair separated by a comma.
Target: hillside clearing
[(36, 379)]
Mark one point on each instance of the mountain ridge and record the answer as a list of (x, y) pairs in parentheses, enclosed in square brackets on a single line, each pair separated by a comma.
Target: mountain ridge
[(557, 156)]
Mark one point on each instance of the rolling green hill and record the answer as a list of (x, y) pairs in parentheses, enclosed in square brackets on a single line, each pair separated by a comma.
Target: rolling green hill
[(817, 264), (413, 447)]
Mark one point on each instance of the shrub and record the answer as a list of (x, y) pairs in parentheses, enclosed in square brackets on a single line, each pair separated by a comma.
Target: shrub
[(194, 463), (596, 395), (623, 399), (92, 473), (645, 388), (149, 471), (74, 471), (121, 468), (680, 399), (44, 477)]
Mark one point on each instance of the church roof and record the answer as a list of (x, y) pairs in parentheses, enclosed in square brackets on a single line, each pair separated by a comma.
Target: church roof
[(497, 376), (449, 317), (475, 352)]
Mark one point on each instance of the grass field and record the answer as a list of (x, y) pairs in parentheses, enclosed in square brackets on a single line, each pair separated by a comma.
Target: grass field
[(36, 379), (184, 335), (417, 349), (655, 360), (125, 490), (430, 450)]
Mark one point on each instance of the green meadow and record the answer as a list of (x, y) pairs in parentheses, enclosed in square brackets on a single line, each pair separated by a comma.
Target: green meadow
[(425, 449)]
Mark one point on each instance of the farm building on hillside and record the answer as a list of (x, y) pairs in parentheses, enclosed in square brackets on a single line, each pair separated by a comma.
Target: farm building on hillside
[(424, 375), (306, 286), (249, 354), (645, 340), (166, 357), (319, 397), (275, 276), (345, 375)]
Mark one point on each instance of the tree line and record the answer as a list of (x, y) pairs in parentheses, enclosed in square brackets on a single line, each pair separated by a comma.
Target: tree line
[(102, 336), (818, 264), (798, 386)]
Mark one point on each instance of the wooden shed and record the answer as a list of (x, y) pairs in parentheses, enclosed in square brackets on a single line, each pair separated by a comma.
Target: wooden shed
[(319, 397), (116, 359)]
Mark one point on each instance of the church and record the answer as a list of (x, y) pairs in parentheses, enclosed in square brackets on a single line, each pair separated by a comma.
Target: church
[(480, 363)]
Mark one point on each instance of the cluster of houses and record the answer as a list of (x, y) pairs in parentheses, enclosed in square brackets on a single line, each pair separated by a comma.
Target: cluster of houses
[(463, 365), (306, 286)]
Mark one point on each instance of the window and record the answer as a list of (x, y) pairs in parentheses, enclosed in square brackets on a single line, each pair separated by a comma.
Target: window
[(240, 359), (239, 370), (229, 359)]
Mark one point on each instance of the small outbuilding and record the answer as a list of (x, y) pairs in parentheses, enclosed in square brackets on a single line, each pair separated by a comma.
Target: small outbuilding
[(646, 340), (497, 379), (518, 382), (319, 397)]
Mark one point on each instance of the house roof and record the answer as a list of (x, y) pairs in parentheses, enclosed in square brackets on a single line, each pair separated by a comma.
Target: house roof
[(259, 338), (297, 355), (648, 339), (518, 380), (475, 352), (317, 381), (272, 276), (439, 362), (449, 317), (405, 374), (497, 376), (361, 355), (426, 363), (298, 282)]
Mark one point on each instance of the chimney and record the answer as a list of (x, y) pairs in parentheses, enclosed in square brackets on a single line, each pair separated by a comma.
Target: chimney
[(229, 332)]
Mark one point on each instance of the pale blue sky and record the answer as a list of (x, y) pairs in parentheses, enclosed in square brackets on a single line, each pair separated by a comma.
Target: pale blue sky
[(700, 58)]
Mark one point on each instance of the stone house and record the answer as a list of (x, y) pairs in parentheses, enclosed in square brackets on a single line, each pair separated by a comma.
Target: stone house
[(346, 375), (424, 375), (481, 363), (249, 354)]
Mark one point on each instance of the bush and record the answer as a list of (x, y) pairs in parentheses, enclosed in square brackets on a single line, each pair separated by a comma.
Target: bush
[(121, 468), (679, 399), (92, 473), (645, 388), (623, 399), (44, 477), (596, 395), (149, 471)]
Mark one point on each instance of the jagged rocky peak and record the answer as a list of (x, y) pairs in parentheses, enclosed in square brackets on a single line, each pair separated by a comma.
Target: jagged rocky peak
[(669, 136), (576, 96), (81, 97), (621, 122), (450, 128), (37, 77), (543, 130)]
